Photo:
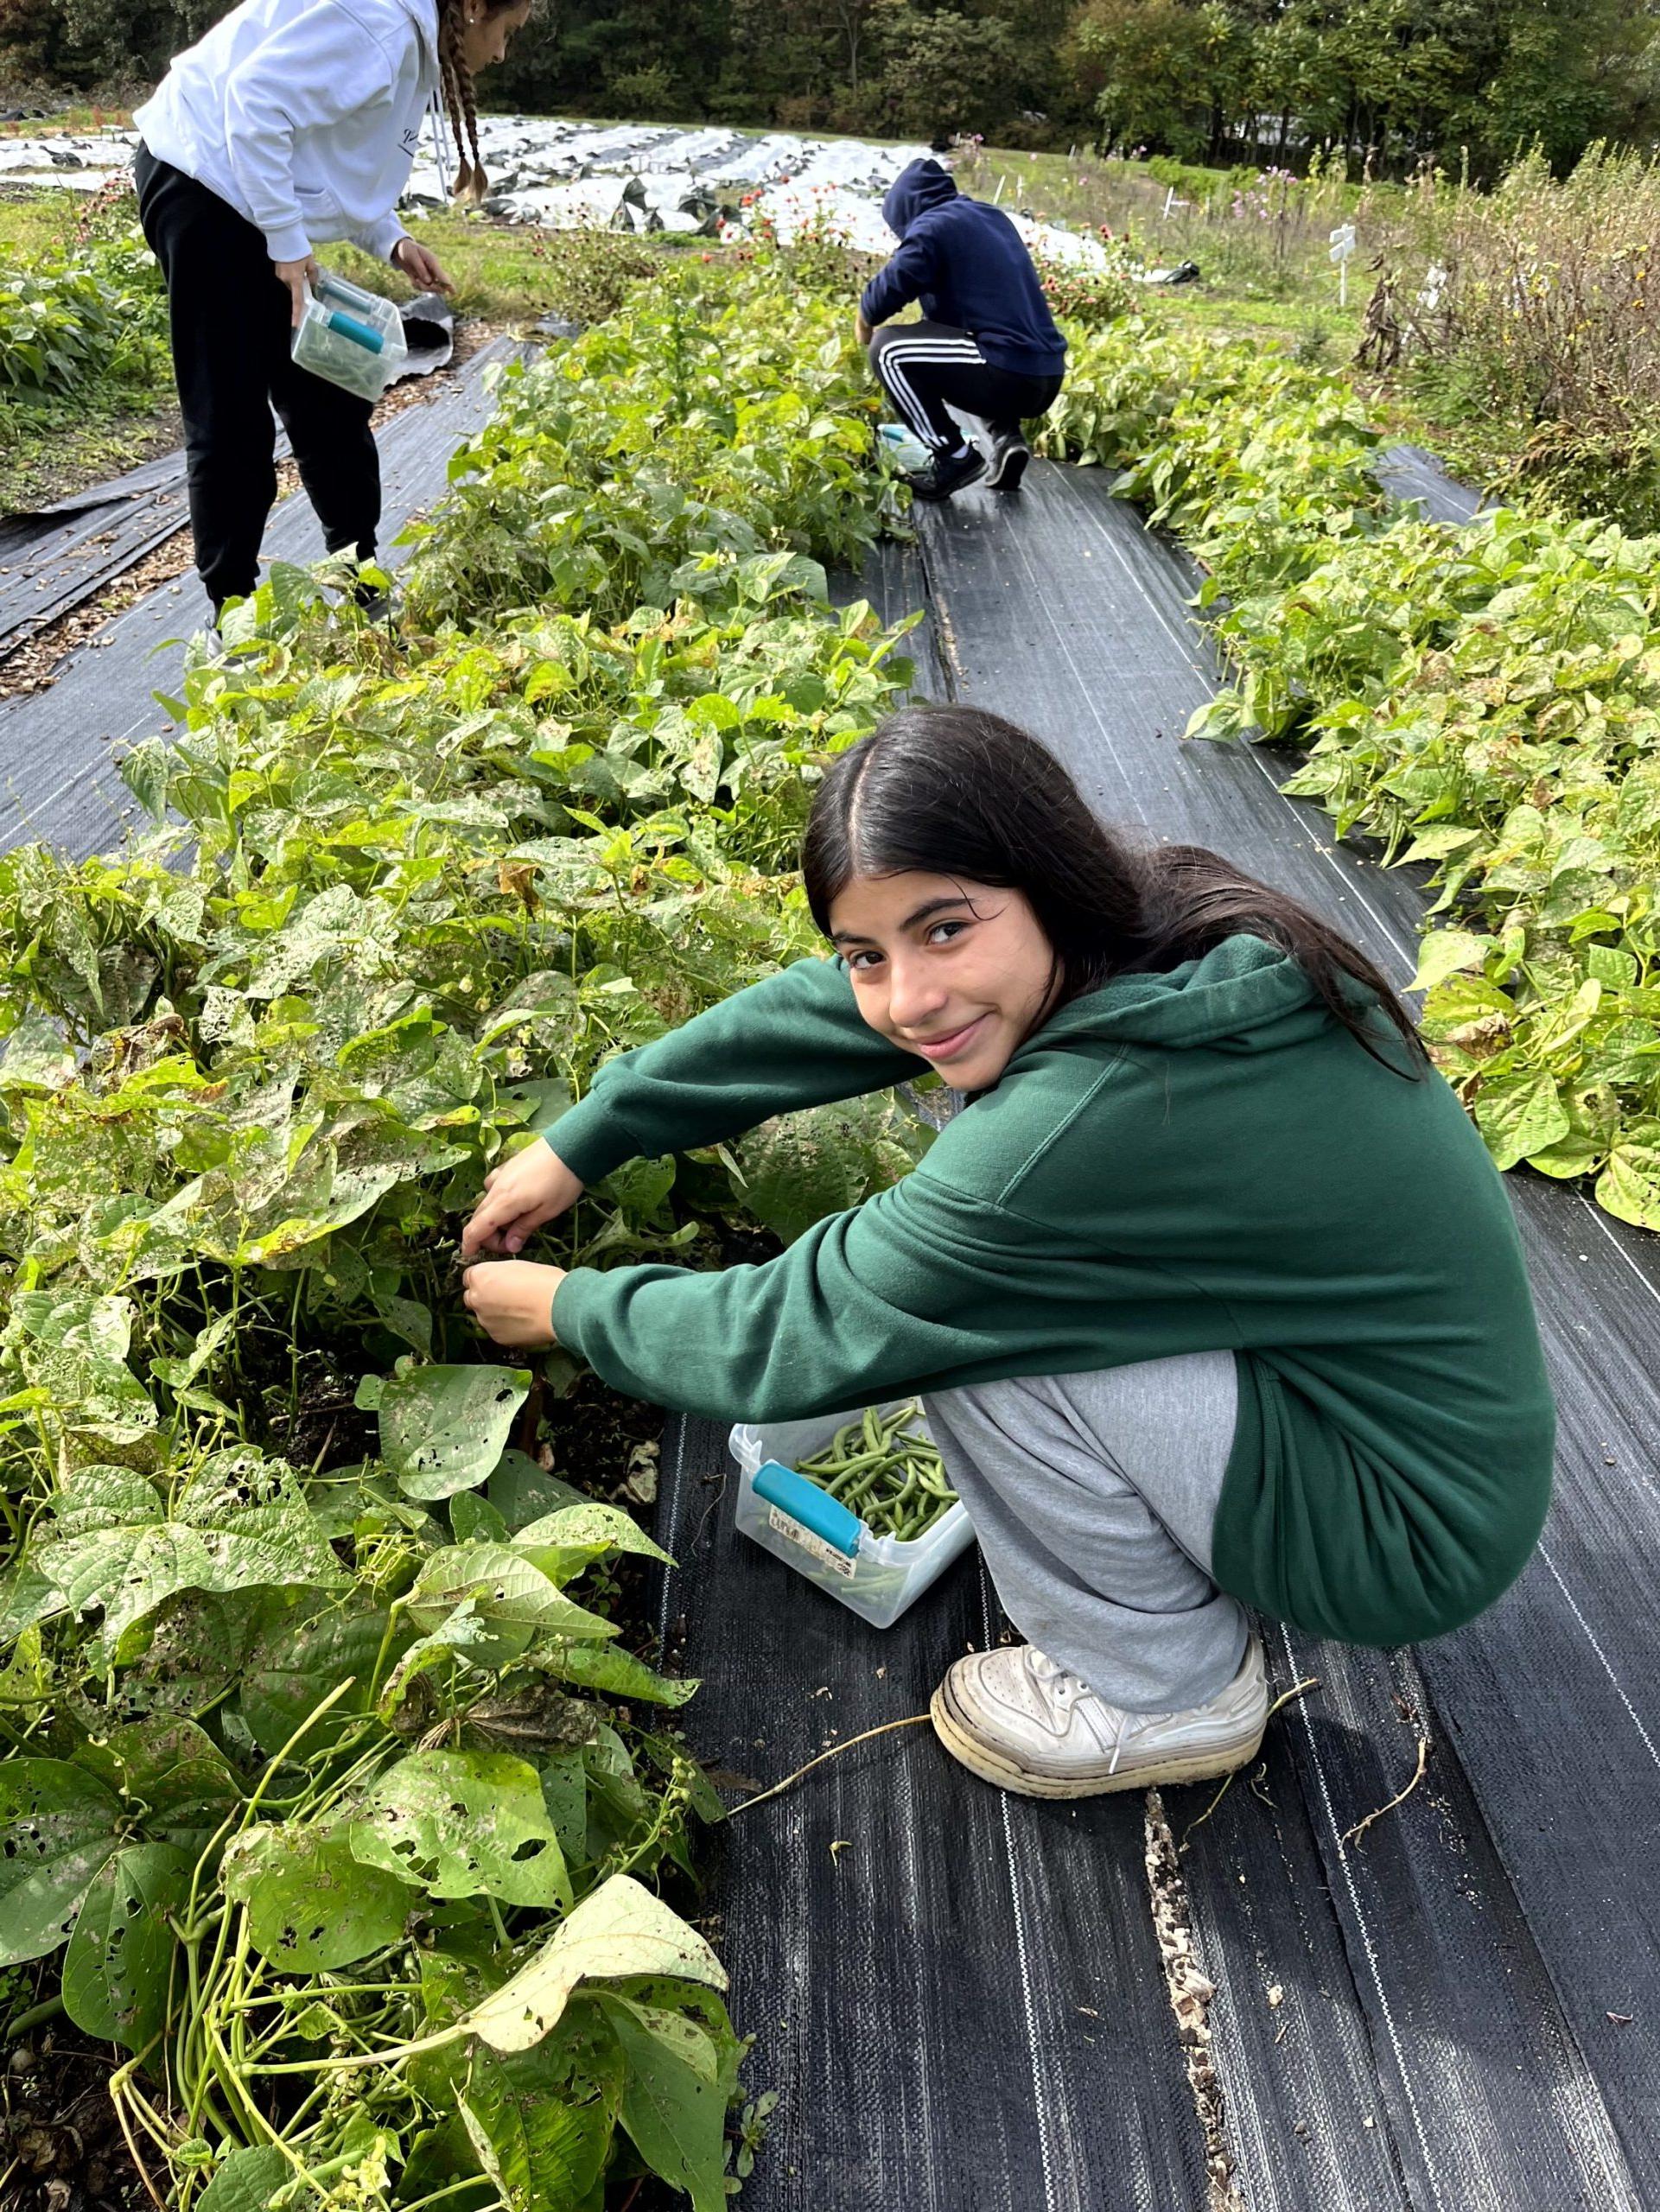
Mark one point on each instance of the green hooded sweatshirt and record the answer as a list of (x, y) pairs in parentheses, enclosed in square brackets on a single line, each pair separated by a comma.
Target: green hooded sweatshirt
[(1198, 1161)]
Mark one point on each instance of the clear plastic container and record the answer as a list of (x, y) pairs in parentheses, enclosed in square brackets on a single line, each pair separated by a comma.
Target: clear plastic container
[(354, 338), (878, 1577), (904, 446)]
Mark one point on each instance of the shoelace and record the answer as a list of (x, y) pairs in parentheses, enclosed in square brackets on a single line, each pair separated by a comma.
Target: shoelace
[(1067, 1689)]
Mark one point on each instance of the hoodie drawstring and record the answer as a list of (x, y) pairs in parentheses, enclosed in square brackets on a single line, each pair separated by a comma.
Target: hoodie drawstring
[(440, 139)]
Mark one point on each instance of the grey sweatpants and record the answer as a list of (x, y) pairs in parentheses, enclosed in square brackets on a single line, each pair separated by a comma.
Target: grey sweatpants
[(1093, 1497)]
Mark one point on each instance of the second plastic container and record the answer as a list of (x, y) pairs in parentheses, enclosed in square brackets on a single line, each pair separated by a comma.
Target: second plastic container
[(876, 1577), (354, 338)]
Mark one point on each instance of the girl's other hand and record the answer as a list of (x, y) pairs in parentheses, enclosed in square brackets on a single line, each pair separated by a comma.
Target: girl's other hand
[(512, 1302), (420, 266), (526, 1190), (296, 275)]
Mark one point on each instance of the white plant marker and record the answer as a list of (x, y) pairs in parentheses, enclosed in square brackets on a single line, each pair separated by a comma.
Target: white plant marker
[(1342, 247)]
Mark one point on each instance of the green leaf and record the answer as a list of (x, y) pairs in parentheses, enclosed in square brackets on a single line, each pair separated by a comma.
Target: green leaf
[(606, 1667), (564, 1792), (312, 1907), (295, 1664), (169, 1770), (521, 1492), (543, 2131), (240, 1523), (508, 1593), (796, 1171), (461, 1824), (473, 1519), (586, 1532), (1520, 1114), (247, 2180), (1444, 952), (1629, 1186), (672, 2106), (461, 1636), (59, 1824), (443, 1428), (119, 1965), (621, 1929), (73, 1345)]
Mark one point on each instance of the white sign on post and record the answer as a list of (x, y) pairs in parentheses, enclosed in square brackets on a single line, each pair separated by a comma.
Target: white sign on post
[(1342, 247)]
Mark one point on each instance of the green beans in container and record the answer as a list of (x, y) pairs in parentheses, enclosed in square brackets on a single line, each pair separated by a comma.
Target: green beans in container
[(885, 1470), (857, 1501)]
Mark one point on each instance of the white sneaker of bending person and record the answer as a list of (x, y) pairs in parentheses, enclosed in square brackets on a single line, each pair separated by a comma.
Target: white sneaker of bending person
[(1015, 1718)]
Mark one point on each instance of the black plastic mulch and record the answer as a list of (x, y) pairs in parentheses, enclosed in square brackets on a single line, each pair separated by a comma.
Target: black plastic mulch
[(54, 558), (1457, 2010), (59, 747)]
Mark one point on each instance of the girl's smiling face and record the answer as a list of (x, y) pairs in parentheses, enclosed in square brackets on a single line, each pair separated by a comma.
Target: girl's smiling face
[(956, 972)]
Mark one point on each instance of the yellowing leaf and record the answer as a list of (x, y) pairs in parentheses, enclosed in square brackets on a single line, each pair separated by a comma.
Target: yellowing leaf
[(621, 1929)]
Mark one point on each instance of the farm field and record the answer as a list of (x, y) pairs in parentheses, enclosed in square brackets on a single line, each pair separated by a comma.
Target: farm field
[(371, 1841)]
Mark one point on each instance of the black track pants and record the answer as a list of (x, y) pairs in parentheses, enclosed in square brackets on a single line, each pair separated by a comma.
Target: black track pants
[(923, 365), (229, 320)]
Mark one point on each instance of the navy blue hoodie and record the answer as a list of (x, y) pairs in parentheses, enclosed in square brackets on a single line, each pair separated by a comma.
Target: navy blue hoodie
[(965, 262)]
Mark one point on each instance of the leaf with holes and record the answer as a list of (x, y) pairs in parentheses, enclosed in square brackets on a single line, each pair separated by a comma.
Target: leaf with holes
[(509, 1594), (293, 1667), (463, 1824), (311, 1905), (564, 1542), (119, 1963), (443, 1428), (238, 1523), (170, 1772), (541, 2123), (621, 1929), (57, 1825)]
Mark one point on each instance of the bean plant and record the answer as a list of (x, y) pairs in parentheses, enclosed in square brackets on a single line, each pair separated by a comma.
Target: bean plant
[(1483, 698), (332, 1790)]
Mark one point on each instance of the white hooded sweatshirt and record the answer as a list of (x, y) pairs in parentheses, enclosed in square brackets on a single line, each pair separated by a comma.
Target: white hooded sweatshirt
[(303, 115)]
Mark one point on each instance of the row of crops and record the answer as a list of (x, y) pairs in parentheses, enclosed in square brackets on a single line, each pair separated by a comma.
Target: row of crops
[(1484, 698), (88, 317), (331, 1792)]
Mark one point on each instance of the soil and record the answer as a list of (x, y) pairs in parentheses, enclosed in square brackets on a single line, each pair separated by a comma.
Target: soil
[(60, 2144)]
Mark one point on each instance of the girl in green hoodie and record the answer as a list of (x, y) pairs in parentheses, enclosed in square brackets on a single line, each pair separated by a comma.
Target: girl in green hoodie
[(1212, 1291)]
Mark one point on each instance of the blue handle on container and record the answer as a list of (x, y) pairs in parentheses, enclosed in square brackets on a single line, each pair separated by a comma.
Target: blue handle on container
[(359, 332), (815, 1509)]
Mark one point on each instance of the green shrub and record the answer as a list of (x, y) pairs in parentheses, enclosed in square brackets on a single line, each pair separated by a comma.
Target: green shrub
[(90, 315)]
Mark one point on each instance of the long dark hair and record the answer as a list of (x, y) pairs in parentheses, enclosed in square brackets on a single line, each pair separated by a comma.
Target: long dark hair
[(955, 790)]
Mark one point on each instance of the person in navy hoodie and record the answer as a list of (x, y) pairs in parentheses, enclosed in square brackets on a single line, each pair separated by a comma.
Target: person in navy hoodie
[(988, 344)]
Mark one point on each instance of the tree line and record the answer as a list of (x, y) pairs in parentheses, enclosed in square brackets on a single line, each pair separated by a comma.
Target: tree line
[(1388, 83)]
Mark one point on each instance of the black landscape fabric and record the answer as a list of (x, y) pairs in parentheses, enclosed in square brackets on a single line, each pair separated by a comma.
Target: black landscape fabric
[(1457, 2010)]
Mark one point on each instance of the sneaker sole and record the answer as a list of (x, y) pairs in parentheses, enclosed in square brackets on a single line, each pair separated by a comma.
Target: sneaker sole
[(939, 498), (1195, 1766), (1007, 478)]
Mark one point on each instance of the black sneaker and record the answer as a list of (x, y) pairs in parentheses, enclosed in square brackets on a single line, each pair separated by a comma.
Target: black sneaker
[(1009, 454), (948, 473)]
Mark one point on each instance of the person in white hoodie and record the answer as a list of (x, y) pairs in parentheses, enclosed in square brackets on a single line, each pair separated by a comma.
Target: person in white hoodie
[(293, 122)]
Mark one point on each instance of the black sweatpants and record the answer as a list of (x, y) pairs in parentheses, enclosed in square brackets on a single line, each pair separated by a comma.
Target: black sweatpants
[(923, 365), (229, 319)]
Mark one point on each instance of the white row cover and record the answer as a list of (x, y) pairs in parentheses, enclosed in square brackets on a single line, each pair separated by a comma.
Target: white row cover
[(573, 175)]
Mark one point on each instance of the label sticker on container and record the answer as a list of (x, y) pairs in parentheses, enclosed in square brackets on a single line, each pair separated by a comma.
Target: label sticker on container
[(785, 1524)]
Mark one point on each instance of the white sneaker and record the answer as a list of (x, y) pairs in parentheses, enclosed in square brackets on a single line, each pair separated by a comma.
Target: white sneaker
[(1013, 1717)]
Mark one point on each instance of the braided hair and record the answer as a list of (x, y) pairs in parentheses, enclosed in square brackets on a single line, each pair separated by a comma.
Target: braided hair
[(459, 103)]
